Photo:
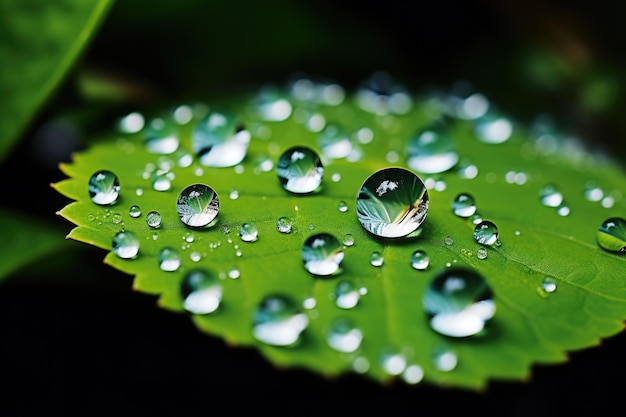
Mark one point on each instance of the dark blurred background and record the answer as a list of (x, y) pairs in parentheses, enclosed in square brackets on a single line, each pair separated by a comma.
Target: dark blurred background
[(80, 338)]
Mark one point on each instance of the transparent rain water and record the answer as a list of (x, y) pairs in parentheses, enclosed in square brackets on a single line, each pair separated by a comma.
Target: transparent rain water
[(201, 291), (322, 254), (300, 170), (198, 205), (278, 321)]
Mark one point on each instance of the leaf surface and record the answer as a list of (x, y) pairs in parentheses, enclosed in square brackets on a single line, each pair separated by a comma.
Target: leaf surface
[(530, 325)]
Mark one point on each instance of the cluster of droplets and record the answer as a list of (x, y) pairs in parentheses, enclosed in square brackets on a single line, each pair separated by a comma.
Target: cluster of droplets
[(392, 204)]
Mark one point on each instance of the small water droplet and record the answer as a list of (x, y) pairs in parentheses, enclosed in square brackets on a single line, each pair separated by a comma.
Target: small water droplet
[(611, 235), (201, 292), (134, 211), (392, 203), (234, 273), (198, 205), (322, 254), (161, 136), (195, 256), (248, 232), (481, 253), (547, 287), (448, 240), (419, 260), (162, 180), (116, 218), (493, 128), (476, 218), (413, 374), (377, 259), (342, 206), (284, 224), (300, 170), (486, 233), (464, 205), (458, 302), (153, 219), (348, 239), (104, 188), (233, 194), (393, 362), (432, 151), (131, 123), (444, 359), (563, 211), (220, 140), (346, 294), (551, 196), (344, 336), (334, 141), (126, 244), (168, 259), (278, 321)]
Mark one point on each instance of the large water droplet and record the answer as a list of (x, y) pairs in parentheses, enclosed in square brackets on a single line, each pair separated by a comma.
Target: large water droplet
[(220, 140), (392, 202), (249, 232), (278, 321), (104, 188), (201, 292), (300, 170), (486, 233), (168, 259), (432, 151), (464, 205), (198, 205), (611, 235), (161, 136), (134, 211), (344, 336), (458, 302), (126, 244), (322, 254)]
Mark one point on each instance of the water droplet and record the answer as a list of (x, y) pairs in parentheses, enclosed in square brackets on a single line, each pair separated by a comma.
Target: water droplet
[(476, 218), (547, 287), (234, 273), (134, 211), (233, 194), (413, 374), (551, 196), (116, 218), (486, 233), (377, 259), (248, 232), (344, 336), (419, 260), (126, 244), (168, 259), (458, 302), (195, 256), (322, 254), (278, 321), (220, 140), (611, 235), (392, 202), (300, 170), (131, 123), (432, 151), (346, 294), (481, 253), (271, 104), (563, 211), (393, 362), (348, 239), (153, 219), (592, 192), (198, 205), (161, 136), (448, 240), (334, 141), (201, 292), (445, 360), (493, 128), (162, 180), (464, 205), (284, 224), (104, 188), (381, 95), (342, 206)]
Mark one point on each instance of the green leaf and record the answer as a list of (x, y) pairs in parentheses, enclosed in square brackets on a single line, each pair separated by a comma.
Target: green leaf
[(40, 41), (27, 241), (531, 325)]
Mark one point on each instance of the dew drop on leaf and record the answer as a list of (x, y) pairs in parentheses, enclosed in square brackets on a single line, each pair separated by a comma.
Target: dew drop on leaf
[(278, 321), (486, 233), (392, 203), (104, 188), (220, 140), (444, 359), (125, 244), (153, 219), (348, 239), (413, 374), (547, 287), (284, 224), (198, 205), (419, 260), (377, 259), (550, 195), (464, 205), (347, 294), (300, 170), (249, 232), (161, 136), (201, 292), (134, 211), (334, 141), (458, 302), (432, 151), (344, 336), (322, 254), (168, 259), (611, 235)]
